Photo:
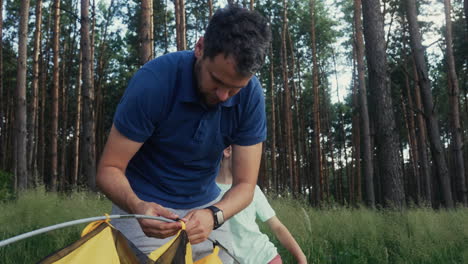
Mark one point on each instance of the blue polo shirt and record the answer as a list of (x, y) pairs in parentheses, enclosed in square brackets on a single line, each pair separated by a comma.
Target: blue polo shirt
[(183, 139)]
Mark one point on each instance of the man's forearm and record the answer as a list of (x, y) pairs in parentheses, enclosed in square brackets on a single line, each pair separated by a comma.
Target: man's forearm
[(236, 199), (245, 167), (113, 183)]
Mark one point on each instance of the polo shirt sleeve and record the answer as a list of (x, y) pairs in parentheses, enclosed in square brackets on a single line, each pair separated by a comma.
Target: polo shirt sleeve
[(140, 108), (263, 208), (252, 129)]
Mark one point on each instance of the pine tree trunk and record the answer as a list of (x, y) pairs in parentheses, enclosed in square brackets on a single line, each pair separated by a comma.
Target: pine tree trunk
[(421, 137), (367, 165), (179, 6), (251, 4), (21, 133), (32, 159), (63, 180), (166, 41), (76, 145), (411, 127), (331, 149), (287, 103), (317, 152), (294, 103), (10, 153), (182, 25), (273, 118), (55, 98), (210, 7), (69, 53), (88, 154), (386, 137), (356, 131), (42, 141), (177, 23), (146, 52), (411, 193), (454, 93), (429, 111)]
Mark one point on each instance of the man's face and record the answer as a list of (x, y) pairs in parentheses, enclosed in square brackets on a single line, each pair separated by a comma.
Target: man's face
[(217, 78)]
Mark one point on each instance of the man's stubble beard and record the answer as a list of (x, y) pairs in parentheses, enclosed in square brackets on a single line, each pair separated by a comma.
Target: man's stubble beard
[(203, 95)]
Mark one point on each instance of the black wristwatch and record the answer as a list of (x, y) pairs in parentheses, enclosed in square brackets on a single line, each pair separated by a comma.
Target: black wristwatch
[(218, 216)]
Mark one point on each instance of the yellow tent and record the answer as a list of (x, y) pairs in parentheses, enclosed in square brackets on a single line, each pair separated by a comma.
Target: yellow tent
[(101, 243)]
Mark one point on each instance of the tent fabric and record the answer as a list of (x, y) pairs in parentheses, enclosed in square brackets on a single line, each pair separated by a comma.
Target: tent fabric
[(179, 251), (102, 243)]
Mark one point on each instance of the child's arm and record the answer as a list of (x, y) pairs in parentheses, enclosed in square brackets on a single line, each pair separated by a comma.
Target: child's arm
[(286, 239)]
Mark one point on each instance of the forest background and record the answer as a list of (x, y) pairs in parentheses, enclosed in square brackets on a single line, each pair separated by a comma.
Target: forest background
[(367, 107), (391, 135)]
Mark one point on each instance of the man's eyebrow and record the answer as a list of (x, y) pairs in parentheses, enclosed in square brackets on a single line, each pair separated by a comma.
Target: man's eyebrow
[(223, 83)]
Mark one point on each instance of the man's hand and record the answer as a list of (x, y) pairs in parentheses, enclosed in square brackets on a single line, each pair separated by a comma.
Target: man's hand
[(200, 223), (155, 228)]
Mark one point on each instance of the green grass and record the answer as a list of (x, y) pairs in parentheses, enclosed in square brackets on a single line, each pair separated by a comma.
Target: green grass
[(37, 209), (327, 236), (341, 235)]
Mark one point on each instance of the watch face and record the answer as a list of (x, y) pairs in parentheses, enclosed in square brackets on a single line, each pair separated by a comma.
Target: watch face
[(219, 217)]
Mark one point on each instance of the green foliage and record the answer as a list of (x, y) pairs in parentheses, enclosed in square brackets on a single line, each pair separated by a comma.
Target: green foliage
[(36, 209), (6, 186), (343, 235), (333, 235)]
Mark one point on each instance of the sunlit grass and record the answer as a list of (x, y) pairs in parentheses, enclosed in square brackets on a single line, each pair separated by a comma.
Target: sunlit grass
[(38, 208), (337, 235), (342, 235)]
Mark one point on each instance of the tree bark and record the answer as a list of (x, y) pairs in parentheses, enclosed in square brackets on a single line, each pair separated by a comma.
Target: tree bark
[(179, 6), (55, 102), (429, 110), (146, 52), (32, 159), (76, 150), (287, 103), (454, 93), (273, 118), (367, 165), (414, 146), (317, 151), (183, 28), (386, 137), (210, 7), (21, 133), (356, 131), (88, 154)]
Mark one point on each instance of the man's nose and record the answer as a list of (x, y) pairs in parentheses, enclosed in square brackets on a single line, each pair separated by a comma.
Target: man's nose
[(222, 93)]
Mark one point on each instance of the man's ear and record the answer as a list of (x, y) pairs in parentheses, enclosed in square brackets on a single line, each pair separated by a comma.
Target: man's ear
[(199, 48)]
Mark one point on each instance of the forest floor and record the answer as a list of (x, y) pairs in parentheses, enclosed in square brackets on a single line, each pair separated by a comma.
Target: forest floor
[(333, 235)]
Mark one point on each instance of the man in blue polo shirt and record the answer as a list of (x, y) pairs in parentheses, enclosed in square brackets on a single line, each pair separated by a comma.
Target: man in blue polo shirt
[(177, 115)]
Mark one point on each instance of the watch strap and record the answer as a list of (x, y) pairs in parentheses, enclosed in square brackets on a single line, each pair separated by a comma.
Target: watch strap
[(218, 216)]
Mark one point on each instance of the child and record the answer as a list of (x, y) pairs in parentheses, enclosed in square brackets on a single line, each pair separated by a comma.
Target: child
[(250, 245)]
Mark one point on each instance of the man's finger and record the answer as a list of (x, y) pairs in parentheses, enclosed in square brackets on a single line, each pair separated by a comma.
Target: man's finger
[(196, 239), (166, 213)]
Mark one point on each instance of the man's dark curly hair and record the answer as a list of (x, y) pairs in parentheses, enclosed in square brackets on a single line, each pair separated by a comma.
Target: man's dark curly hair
[(240, 33)]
